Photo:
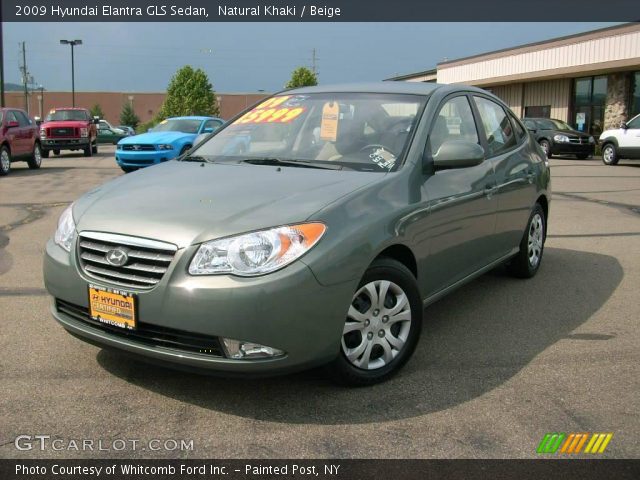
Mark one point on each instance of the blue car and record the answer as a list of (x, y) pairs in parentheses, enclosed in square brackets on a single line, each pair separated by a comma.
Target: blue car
[(170, 138)]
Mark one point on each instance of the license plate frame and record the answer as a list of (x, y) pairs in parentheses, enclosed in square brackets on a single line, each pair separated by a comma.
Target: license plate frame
[(113, 307)]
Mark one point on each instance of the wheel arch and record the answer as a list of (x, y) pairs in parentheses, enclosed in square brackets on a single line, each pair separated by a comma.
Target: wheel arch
[(612, 140), (6, 144), (544, 203), (401, 253)]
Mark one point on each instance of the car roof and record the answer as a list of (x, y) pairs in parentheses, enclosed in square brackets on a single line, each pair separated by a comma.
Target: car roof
[(69, 108), (542, 118), (413, 88), (193, 117)]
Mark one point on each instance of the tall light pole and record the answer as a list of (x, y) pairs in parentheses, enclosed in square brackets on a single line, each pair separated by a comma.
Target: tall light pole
[(73, 43)]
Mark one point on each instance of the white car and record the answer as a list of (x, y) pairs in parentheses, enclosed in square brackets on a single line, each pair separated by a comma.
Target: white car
[(623, 142), (106, 125)]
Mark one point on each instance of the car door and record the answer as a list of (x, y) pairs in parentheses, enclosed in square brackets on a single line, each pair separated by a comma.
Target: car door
[(106, 135), (509, 152), (629, 140), (461, 207), (26, 132), (210, 126), (12, 134)]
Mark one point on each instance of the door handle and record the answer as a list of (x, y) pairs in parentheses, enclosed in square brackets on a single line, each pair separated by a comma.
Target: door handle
[(489, 189)]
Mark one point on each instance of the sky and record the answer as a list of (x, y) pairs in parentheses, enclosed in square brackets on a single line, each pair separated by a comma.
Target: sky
[(248, 57)]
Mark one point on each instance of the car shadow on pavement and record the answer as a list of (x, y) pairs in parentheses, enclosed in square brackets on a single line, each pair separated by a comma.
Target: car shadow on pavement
[(473, 341)]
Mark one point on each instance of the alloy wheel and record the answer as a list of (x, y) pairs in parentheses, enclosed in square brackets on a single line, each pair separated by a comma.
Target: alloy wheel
[(377, 326), (536, 240), (5, 161), (37, 155), (607, 154)]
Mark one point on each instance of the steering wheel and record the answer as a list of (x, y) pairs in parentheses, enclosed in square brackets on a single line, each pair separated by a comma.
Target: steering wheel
[(371, 146)]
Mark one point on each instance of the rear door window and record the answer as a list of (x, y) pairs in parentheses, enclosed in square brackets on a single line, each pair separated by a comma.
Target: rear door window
[(498, 129)]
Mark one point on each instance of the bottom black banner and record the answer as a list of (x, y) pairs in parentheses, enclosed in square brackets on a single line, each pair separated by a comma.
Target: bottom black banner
[(331, 468)]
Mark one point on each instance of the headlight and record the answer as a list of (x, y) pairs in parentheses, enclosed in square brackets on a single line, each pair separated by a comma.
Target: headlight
[(165, 147), (66, 229), (561, 139), (43, 133), (592, 140), (84, 132), (256, 253), (118, 147)]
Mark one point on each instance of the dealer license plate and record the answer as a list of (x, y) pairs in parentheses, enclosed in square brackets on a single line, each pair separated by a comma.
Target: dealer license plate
[(112, 307)]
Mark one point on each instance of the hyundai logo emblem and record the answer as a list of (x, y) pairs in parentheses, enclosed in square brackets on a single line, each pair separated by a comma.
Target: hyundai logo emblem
[(116, 257)]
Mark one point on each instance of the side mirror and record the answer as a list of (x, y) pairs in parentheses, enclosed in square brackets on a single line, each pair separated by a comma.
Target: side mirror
[(12, 124), (207, 130), (458, 154), (624, 125), (38, 120), (96, 120)]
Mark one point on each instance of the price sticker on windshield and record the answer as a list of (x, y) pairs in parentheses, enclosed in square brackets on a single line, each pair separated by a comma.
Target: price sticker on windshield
[(271, 111)]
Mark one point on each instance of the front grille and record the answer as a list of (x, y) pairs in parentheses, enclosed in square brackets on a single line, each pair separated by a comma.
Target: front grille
[(145, 263), (580, 141), (140, 148), (149, 334), (62, 132)]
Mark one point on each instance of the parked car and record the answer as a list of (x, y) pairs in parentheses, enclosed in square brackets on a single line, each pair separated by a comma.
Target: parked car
[(558, 138), (623, 142), (321, 244), (167, 140), (18, 140), (104, 124), (69, 129), (129, 131), (110, 136)]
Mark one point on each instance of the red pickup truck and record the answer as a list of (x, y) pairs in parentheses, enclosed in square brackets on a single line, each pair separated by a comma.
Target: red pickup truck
[(69, 129), (18, 140)]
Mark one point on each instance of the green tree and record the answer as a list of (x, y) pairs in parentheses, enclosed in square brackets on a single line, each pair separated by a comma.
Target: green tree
[(128, 116), (302, 77), (96, 111), (189, 93)]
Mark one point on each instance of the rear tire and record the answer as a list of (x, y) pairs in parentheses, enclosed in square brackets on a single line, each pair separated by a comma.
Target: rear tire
[(56, 152), (527, 262), (609, 154), (379, 335), (36, 157), (5, 161)]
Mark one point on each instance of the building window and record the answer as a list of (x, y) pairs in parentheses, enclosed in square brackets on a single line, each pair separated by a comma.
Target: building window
[(635, 95), (589, 98), (543, 111)]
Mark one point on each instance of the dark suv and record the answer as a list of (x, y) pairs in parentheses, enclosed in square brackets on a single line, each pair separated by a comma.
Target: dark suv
[(18, 140), (558, 138)]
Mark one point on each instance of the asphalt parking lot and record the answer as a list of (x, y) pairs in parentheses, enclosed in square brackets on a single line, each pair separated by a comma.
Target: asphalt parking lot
[(501, 362)]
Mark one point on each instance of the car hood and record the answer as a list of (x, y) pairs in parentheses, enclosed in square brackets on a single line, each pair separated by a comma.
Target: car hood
[(186, 203), (156, 138), (570, 133)]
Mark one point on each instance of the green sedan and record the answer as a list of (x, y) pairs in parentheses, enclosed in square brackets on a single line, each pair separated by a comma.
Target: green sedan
[(110, 136), (311, 230)]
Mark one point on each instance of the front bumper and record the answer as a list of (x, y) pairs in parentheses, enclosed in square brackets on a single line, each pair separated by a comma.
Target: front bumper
[(288, 310), (65, 143), (145, 158), (573, 148)]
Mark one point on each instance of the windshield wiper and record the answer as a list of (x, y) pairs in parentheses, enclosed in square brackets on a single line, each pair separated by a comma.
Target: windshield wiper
[(289, 163), (195, 158)]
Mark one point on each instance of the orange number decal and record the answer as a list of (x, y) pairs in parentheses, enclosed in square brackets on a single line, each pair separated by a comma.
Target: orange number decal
[(291, 114)]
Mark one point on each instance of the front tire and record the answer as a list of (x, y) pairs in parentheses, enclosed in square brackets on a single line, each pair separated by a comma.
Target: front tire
[(56, 152), (527, 262), (5, 161), (609, 154), (382, 326), (36, 157), (546, 146), (95, 148)]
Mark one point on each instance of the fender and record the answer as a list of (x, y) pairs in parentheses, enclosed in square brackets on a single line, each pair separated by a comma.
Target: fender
[(610, 139)]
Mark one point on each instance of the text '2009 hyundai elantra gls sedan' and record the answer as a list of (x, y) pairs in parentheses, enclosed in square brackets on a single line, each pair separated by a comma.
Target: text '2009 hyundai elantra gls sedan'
[(311, 230)]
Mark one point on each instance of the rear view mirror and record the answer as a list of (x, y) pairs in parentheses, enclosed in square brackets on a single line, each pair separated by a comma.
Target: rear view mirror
[(458, 154)]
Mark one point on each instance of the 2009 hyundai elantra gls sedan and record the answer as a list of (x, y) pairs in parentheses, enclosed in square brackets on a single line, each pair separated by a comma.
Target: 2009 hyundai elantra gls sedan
[(311, 230)]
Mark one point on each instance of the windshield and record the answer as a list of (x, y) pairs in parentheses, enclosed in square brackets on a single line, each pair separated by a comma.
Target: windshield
[(363, 131), (552, 124), (178, 125), (63, 115)]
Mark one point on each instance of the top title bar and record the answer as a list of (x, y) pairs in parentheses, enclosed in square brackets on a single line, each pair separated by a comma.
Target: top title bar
[(318, 11)]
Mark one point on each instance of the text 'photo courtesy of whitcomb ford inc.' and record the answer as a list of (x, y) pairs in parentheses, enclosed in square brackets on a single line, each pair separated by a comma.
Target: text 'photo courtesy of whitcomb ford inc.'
[(336, 239)]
